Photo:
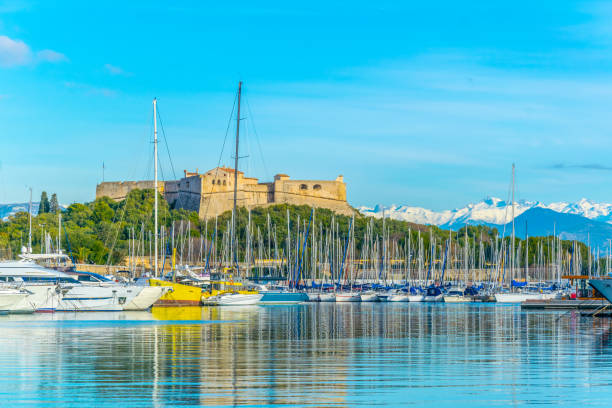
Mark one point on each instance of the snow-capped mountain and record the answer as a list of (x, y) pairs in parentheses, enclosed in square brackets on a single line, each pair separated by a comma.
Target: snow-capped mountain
[(494, 211), (6, 210)]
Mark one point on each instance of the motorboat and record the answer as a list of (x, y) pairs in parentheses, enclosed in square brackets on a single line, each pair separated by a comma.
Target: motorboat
[(51, 290), (11, 298), (145, 296), (239, 299)]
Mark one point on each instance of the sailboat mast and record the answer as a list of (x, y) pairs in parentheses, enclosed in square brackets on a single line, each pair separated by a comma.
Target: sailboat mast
[(155, 186), (30, 232), (236, 175), (513, 231)]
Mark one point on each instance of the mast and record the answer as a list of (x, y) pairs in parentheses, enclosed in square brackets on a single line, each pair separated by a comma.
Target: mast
[(236, 177), (30, 232), (59, 231), (155, 185), (513, 231)]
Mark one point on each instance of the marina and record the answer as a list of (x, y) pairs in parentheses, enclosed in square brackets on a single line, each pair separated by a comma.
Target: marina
[(305, 204)]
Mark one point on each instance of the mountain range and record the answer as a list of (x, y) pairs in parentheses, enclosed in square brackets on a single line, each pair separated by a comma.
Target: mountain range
[(6, 210), (584, 220)]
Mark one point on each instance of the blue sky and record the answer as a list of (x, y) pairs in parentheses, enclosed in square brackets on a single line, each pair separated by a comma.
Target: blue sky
[(420, 103)]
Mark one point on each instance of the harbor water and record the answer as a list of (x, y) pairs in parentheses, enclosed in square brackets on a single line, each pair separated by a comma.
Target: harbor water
[(336, 355)]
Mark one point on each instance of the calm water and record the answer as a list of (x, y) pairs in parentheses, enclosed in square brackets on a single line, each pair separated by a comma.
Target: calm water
[(307, 355)]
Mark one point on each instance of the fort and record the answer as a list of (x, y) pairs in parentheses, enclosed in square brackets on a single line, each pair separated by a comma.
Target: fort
[(212, 193)]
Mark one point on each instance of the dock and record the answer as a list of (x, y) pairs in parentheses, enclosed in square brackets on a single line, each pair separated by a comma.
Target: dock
[(559, 304)]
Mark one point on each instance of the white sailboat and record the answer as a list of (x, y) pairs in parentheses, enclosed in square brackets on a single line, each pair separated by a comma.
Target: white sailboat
[(327, 297), (398, 296), (368, 296), (456, 295), (343, 297)]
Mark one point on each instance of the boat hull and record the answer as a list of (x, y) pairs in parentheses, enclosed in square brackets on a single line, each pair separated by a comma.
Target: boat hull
[(369, 297), (178, 294), (517, 297), (437, 298), (327, 297), (398, 298), (416, 298), (146, 298), (603, 286), (239, 299), (281, 297), (10, 299), (456, 299), (347, 297)]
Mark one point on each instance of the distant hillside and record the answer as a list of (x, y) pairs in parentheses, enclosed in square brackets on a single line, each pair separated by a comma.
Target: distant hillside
[(541, 222), (6, 210)]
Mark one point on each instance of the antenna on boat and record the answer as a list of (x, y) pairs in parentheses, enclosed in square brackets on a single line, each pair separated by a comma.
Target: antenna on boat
[(155, 183)]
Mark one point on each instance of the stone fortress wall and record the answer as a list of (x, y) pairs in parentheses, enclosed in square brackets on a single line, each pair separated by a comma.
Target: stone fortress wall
[(212, 193), (118, 190)]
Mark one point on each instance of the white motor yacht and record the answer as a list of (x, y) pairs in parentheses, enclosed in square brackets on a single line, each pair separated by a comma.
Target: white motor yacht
[(239, 299), (11, 298), (51, 290)]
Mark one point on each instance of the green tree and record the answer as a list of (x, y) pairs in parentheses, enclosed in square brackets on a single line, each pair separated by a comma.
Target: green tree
[(82, 254), (53, 204), (43, 207)]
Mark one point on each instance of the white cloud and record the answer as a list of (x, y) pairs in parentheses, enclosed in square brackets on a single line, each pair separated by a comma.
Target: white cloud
[(50, 56), (89, 89), (16, 53), (113, 70)]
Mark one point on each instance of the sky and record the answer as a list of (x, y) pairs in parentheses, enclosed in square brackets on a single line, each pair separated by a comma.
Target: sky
[(417, 103)]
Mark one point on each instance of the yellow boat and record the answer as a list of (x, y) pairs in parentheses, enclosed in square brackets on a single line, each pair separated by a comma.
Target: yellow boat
[(179, 295)]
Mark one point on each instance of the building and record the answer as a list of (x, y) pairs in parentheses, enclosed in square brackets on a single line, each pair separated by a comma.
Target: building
[(212, 193)]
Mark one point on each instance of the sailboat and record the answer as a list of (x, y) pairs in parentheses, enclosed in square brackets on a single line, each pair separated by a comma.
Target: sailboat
[(515, 296), (177, 294), (236, 297)]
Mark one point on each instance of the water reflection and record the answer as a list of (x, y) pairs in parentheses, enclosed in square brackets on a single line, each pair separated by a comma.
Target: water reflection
[(308, 355)]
